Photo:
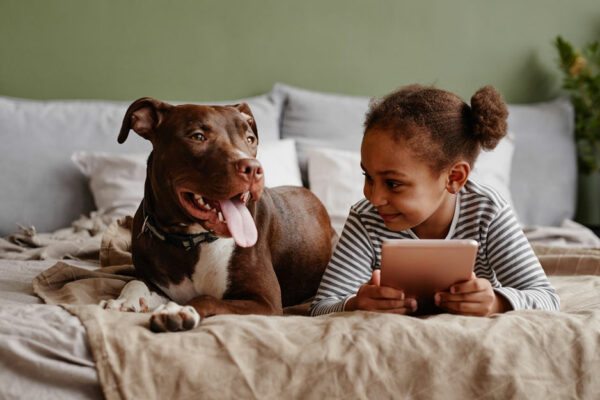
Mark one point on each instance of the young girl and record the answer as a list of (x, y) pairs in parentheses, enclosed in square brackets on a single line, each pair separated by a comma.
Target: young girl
[(419, 146)]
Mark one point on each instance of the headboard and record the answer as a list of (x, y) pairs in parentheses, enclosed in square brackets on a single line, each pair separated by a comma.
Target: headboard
[(41, 186)]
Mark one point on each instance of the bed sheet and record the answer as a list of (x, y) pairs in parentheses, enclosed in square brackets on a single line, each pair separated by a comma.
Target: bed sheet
[(44, 350)]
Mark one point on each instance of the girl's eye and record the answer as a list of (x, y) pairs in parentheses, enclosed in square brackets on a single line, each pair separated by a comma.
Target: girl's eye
[(393, 184), (251, 139), (367, 177), (199, 137)]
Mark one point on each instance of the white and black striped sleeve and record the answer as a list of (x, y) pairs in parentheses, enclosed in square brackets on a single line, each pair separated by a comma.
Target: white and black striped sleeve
[(351, 265), (524, 282)]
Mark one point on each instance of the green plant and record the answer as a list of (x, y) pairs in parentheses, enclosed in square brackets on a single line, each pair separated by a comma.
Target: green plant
[(581, 69)]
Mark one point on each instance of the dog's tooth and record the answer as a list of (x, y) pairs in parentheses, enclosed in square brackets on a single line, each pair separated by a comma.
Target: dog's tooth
[(200, 200), (221, 217)]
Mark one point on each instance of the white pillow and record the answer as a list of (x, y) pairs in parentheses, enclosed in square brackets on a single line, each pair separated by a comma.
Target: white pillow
[(280, 163), (336, 178), (493, 168), (117, 180)]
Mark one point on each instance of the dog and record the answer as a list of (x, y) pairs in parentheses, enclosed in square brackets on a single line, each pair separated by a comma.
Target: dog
[(209, 238)]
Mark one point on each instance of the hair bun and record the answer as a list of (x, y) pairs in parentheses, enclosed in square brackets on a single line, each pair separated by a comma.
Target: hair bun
[(489, 114)]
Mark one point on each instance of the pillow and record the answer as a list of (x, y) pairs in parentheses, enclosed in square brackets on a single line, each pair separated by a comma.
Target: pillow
[(117, 180), (39, 137), (493, 168), (280, 163), (336, 178), (544, 171), (324, 120)]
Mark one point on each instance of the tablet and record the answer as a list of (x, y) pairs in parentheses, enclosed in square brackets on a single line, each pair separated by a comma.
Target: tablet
[(424, 267)]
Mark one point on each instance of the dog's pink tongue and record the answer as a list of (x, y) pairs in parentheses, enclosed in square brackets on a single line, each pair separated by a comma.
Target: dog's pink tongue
[(239, 221)]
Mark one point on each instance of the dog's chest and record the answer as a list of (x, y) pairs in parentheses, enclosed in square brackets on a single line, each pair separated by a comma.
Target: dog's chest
[(210, 276)]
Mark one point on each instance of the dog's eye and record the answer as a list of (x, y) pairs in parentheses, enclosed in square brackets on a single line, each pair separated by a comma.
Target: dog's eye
[(251, 139), (198, 136)]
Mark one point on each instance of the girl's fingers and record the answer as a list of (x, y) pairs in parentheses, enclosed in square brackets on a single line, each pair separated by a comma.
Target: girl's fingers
[(382, 305), (376, 277), (470, 286), (367, 303), (384, 292), (476, 297)]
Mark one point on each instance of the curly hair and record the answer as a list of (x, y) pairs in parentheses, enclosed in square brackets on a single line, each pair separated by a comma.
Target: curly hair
[(438, 126)]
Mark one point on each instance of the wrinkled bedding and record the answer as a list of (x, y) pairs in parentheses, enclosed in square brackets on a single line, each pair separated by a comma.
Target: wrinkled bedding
[(44, 350), (47, 353)]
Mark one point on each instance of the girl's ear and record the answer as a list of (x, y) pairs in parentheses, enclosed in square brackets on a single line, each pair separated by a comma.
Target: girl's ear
[(457, 176)]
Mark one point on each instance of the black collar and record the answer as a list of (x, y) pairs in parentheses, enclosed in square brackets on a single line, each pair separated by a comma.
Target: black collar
[(185, 241)]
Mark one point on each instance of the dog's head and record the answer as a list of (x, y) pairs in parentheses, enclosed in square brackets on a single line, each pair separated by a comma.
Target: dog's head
[(204, 162)]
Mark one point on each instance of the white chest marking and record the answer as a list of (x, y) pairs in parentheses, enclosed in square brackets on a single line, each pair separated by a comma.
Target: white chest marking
[(210, 273)]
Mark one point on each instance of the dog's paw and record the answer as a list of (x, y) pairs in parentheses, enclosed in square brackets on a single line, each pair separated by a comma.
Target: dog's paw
[(124, 304), (172, 317)]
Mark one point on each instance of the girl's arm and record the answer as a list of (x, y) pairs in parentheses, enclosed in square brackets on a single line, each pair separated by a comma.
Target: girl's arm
[(524, 282), (351, 265)]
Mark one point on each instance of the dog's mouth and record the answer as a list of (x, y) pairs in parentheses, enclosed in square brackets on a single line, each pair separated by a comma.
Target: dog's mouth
[(228, 217)]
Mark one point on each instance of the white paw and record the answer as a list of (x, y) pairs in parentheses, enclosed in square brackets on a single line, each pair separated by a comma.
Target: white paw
[(137, 304), (172, 317)]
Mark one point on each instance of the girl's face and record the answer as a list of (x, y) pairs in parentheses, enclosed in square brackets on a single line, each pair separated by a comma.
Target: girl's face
[(404, 189)]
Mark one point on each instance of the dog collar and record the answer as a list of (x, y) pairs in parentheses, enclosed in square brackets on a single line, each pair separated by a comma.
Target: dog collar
[(186, 241)]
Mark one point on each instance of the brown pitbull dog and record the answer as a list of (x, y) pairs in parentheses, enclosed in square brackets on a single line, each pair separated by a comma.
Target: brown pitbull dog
[(208, 237)]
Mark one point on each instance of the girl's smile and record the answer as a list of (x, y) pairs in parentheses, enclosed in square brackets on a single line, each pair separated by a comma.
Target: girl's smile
[(388, 217)]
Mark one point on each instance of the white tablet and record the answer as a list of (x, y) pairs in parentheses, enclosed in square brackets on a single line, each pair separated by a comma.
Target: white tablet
[(423, 267)]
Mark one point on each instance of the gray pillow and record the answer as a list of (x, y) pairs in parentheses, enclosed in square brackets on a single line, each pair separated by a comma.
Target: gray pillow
[(316, 119), (544, 171)]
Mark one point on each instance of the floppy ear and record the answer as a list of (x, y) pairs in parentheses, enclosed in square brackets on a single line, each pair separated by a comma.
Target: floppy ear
[(143, 116), (244, 108)]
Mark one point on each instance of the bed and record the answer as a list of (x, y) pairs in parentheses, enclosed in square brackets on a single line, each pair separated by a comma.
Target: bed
[(70, 189)]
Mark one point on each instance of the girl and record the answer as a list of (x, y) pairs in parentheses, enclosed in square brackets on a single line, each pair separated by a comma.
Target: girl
[(417, 151)]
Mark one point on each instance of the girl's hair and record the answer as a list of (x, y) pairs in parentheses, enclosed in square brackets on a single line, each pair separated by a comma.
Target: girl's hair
[(438, 126)]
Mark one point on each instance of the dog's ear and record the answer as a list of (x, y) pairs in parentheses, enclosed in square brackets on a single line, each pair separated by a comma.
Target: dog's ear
[(244, 108), (143, 116)]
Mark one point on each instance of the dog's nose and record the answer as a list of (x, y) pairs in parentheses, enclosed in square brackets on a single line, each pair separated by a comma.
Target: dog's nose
[(249, 168)]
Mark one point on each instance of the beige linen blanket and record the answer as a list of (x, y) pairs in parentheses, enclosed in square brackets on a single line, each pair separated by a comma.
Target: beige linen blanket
[(520, 354)]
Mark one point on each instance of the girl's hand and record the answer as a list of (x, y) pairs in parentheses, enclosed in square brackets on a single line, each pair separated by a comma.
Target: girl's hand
[(474, 297), (373, 297)]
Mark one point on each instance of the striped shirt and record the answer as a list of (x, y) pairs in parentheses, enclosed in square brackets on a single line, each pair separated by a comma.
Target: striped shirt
[(504, 256)]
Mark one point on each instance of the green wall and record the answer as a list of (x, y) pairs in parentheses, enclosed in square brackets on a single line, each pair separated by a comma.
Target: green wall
[(209, 50)]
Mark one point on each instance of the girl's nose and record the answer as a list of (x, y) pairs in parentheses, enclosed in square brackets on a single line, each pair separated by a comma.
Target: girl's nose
[(377, 195)]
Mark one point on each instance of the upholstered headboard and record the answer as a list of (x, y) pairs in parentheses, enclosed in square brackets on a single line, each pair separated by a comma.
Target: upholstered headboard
[(40, 185)]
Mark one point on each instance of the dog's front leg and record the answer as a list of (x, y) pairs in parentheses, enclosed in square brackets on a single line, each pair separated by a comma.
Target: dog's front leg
[(135, 297), (174, 317)]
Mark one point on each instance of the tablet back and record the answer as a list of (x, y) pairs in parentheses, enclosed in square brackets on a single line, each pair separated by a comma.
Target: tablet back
[(423, 267)]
